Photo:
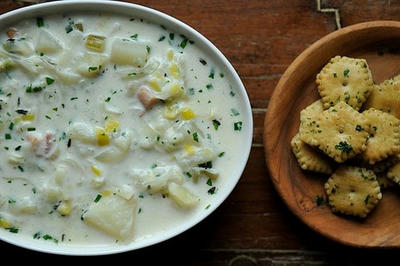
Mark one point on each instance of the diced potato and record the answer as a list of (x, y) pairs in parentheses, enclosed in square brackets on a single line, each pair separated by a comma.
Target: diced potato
[(61, 171), (112, 215), (111, 108), (103, 138), (82, 132), (52, 193), (92, 64), (64, 208), (95, 43), (200, 156), (123, 142), (156, 180), (97, 181), (15, 158), (20, 46), (182, 196), (47, 43), (125, 191), (126, 52), (24, 205), (111, 155)]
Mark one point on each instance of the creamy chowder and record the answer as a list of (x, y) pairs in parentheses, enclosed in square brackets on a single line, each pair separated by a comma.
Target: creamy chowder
[(113, 129)]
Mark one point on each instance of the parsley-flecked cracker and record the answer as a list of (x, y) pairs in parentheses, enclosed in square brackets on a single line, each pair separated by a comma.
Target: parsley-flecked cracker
[(341, 132), (384, 139), (394, 173), (308, 158), (386, 97), (353, 191), (345, 79), (308, 121)]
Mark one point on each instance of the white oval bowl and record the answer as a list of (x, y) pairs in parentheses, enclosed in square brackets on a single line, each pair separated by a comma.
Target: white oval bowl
[(176, 26)]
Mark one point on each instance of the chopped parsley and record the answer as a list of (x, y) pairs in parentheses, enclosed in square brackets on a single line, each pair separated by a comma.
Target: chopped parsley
[(21, 112), (346, 72), (212, 73), (203, 62), (108, 99), (209, 86), (98, 197), (162, 38), (367, 198), (344, 147), (171, 36), (11, 126), (69, 28), (359, 128), (209, 182), (134, 36), (216, 124), (195, 137), (31, 89), (39, 22), (92, 68), (7, 136), (13, 230), (148, 49), (206, 165), (183, 43), (49, 81), (221, 154), (237, 126), (211, 191)]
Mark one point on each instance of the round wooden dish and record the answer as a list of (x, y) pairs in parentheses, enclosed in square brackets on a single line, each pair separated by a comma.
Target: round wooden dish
[(379, 43)]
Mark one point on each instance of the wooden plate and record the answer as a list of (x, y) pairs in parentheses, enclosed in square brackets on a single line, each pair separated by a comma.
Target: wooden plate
[(379, 43)]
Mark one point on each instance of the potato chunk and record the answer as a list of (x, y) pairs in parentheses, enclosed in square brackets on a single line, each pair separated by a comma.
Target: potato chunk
[(127, 52), (181, 196), (112, 215)]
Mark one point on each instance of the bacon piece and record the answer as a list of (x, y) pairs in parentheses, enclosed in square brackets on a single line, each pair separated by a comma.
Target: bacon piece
[(44, 146), (147, 97), (11, 33)]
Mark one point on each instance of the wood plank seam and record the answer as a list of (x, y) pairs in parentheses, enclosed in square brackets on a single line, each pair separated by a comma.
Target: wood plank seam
[(336, 11)]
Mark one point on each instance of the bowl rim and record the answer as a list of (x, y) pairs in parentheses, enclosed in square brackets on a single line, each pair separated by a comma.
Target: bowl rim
[(176, 26), (274, 105)]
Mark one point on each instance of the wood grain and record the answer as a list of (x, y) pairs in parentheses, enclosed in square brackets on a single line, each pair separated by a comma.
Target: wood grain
[(253, 227)]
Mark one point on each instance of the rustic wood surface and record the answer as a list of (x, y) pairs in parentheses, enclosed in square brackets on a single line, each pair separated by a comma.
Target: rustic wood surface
[(253, 227)]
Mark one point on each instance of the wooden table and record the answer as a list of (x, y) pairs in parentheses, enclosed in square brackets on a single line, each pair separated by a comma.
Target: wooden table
[(253, 226)]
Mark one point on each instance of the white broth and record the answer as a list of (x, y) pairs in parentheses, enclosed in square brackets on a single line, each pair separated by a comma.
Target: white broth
[(113, 129)]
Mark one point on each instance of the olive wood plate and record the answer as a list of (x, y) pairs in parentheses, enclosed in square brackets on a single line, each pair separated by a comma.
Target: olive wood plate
[(379, 43)]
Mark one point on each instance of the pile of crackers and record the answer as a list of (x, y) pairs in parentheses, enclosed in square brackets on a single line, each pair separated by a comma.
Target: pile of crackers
[(352, 134)]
